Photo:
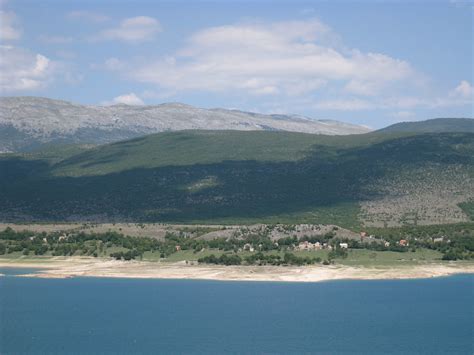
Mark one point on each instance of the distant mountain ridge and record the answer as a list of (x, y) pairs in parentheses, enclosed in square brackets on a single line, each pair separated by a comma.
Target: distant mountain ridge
[(435, 125), (29, 122)]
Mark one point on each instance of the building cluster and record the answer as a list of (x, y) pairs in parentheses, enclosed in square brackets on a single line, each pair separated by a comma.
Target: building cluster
[(441, 239), (403, 243), (365, 237), (318, 246)]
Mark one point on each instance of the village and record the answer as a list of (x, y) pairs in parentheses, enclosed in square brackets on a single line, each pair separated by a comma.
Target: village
[(166, 242)]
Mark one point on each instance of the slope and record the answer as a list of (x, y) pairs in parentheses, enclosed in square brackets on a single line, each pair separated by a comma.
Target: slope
[(246, 177), (436, 125)]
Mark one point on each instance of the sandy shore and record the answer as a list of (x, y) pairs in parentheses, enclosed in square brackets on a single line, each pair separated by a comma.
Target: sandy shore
[(92, 267)]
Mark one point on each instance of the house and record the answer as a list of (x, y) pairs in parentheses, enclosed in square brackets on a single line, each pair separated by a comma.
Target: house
[(310, 246), (438, 240), (177, 247), (304, 245), (343, 245), (249, 247), (62, 237), (403, 243), (363, 235), (386, 244)]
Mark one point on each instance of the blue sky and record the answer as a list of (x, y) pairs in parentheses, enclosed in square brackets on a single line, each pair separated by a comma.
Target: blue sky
[(371, 62)]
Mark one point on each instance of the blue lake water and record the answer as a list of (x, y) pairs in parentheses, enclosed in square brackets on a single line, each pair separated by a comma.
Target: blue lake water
[(94, 315)]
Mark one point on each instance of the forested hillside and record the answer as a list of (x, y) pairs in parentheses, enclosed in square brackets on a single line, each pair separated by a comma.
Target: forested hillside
[(373, 179)]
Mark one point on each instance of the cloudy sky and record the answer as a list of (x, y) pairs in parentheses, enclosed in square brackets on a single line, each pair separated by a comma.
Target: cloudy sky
[(372, 63)]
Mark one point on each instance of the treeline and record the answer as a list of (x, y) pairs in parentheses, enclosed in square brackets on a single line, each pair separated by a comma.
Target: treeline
[(423, 232), (127, 255), (85, 244), (258, 259), (454, 241), (129, 248)]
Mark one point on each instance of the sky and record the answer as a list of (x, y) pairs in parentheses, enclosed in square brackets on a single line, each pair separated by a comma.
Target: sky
[(367, 62)]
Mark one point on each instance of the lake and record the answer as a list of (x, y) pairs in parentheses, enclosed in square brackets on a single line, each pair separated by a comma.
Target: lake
[(104, 315)]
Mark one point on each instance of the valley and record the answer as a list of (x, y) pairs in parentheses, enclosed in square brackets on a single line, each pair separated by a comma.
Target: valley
[(196, 203)]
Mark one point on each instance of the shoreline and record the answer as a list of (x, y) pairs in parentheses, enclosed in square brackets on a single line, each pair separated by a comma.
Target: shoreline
[(92, 267)]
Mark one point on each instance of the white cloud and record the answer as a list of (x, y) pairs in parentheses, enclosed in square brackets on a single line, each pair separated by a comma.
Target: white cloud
[(87, 16), (361, 88), (298, 63), (134, 29), (127, 99), (463, 90), (343, 105), (23, 70), (402, 103), (289, 58), (9, 29), (113, 64)]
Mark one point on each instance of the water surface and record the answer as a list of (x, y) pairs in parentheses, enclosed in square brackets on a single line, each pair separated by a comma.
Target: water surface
[(15, 271), (100, 315)]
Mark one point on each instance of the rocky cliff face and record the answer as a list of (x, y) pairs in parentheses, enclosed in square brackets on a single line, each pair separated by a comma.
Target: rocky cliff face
[(28, 122)]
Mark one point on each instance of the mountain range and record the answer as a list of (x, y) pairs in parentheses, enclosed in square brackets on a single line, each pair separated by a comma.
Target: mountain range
[(26, 123), (71, 162)]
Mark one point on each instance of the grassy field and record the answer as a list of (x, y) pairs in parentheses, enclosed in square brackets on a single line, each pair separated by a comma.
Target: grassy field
[(363, 257), (191, 256), (356, 257)]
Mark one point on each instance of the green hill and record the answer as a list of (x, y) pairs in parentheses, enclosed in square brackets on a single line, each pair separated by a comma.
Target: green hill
[(204, 147), (245, 177), (436, 125)]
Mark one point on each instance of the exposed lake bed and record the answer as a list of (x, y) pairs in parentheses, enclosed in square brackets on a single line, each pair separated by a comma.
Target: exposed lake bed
[(66, 267)]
